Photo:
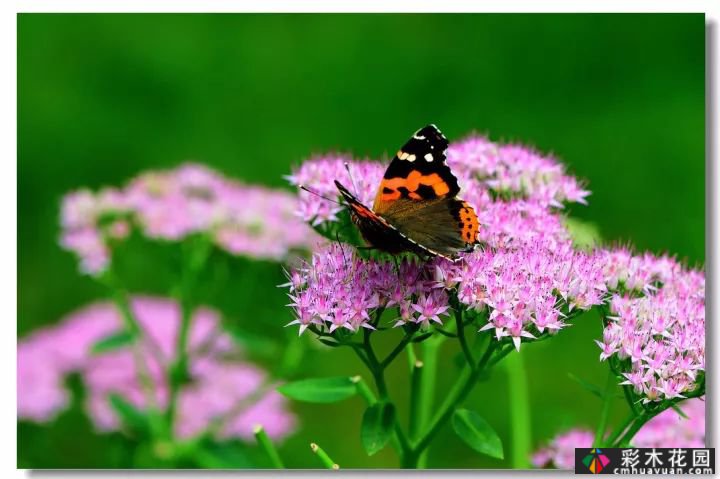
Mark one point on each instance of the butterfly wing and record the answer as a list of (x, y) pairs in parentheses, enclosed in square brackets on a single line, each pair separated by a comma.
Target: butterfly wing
[(418, 171), (377, 231), (444, 226), (418, 196)]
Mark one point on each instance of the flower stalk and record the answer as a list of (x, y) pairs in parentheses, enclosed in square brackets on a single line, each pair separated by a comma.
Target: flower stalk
[(197, 251), (519, 402), (267, 446), (607, 400), (325, 459)]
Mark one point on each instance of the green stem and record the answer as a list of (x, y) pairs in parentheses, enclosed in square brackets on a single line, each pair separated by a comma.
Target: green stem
[(196, 254), (374, 365), (324, 457), (457, 396), (269, 448), (415, 399), (619, 430), (518, 398), (397, 350), (411, 357), (461, 337), (430, 350), (639, 422), (400, 441), (122, 302), (363, 390), (605, 412), (627, 391)]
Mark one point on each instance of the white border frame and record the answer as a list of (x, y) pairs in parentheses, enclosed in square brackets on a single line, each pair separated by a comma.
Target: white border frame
[(8, 177)]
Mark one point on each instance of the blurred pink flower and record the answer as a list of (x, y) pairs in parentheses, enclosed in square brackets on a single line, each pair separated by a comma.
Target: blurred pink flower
[(221, 388), (560, 452), (667, 429), (172, 204)]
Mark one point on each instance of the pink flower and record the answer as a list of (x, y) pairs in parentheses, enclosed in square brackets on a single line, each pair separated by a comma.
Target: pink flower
[(527, 288), (170, 205), (320, 173), (560, 452), (515, 169), (669, 429), (662, 332), (430, 306), (217, 391)]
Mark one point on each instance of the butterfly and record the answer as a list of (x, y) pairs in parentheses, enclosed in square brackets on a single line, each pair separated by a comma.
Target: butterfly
[(416, 208)]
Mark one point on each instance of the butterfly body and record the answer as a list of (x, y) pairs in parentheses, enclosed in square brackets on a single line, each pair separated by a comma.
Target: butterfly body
[(416, 208)]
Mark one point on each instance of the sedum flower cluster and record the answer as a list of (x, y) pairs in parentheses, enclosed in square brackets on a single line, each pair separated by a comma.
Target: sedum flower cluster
[(173, 204), (223, 388)]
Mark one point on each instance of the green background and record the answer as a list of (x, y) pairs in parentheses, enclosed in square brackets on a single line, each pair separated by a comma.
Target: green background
[(619, 98)]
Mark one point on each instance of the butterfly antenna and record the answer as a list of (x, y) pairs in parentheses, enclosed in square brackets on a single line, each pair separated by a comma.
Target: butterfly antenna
[(342, 249), (352, 180), (316, 193)]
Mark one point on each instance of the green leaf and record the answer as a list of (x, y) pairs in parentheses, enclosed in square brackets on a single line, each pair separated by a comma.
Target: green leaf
[(477, 433), (329, 342), (112, 342), (377, 425), (134, 420), (422, 337), (586, 385), (679, 411), (319, 390)]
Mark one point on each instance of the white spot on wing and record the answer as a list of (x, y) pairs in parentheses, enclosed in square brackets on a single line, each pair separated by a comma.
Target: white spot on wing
[(410, 158), (418, 137), (429, 157)]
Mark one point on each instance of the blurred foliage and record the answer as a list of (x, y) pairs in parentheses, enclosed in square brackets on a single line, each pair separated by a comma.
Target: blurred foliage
[(619, 98)]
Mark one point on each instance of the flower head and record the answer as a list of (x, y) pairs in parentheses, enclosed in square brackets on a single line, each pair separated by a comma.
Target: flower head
[(529, 290), (658, 338), (219, 385), (172, 204)]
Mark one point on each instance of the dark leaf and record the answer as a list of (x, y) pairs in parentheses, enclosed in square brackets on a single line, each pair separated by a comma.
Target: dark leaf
[(319, 390), (477, 433), (377, 425), (134, 420)]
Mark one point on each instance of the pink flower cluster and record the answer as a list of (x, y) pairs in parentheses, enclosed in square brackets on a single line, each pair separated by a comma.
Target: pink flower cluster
[(528, 277), (172, 204), (320, 173), (337, 289), (658, 339), (219, 390), (514, 169), (528, 290), (667, 429)]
